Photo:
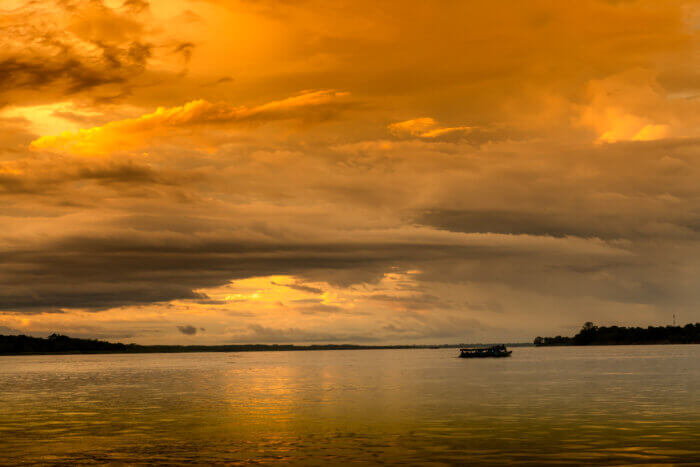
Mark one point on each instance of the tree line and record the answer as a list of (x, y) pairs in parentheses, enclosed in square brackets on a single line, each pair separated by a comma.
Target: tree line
[(591, 334), (56, 343)]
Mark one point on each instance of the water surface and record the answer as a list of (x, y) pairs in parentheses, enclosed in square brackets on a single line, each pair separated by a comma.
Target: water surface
[(605, 405)]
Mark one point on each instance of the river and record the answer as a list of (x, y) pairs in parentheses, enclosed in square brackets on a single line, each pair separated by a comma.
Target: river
[(553, 405)]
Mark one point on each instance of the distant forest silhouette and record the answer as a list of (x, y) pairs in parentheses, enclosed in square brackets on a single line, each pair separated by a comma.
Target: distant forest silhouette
[(591, 334), (56, 343)]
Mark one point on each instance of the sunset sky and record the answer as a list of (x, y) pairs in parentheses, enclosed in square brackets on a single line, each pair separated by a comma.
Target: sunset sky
[(235, 171)]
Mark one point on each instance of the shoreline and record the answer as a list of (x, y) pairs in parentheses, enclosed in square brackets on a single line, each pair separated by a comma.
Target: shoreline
[(153, 349), (322, 348)]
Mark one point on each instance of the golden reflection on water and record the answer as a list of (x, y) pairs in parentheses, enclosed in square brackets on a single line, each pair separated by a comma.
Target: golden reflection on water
[(542, 406)]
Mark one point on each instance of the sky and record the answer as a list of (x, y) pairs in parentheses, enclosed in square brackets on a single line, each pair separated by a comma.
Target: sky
[(298, 171)]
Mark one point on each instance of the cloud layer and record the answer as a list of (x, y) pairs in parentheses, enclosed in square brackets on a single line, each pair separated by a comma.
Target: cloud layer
[(315, 173)]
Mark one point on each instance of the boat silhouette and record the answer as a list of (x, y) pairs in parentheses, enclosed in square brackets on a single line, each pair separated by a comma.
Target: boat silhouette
[(483, 352)]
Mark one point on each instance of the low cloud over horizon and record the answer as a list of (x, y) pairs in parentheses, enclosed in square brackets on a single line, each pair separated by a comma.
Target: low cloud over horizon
[(296, 173)]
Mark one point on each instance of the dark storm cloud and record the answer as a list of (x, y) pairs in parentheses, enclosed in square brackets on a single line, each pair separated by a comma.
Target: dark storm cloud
[(187, 330), (41, 177), (37, 73), (99, 273), (88, 47), (301, 288), (131, 267)]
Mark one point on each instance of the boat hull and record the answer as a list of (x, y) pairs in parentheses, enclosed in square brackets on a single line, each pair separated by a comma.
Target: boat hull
[(499, 355)]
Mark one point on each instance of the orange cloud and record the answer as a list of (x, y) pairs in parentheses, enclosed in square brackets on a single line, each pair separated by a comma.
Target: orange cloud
[(634, 107), (427, 128), (132, 133), (615, 124)]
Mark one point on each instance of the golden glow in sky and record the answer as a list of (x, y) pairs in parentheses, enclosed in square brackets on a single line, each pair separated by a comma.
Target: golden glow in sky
[(222, 171)]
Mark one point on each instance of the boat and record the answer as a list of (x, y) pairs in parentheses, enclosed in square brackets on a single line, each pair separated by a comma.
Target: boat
[(483, 352)]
